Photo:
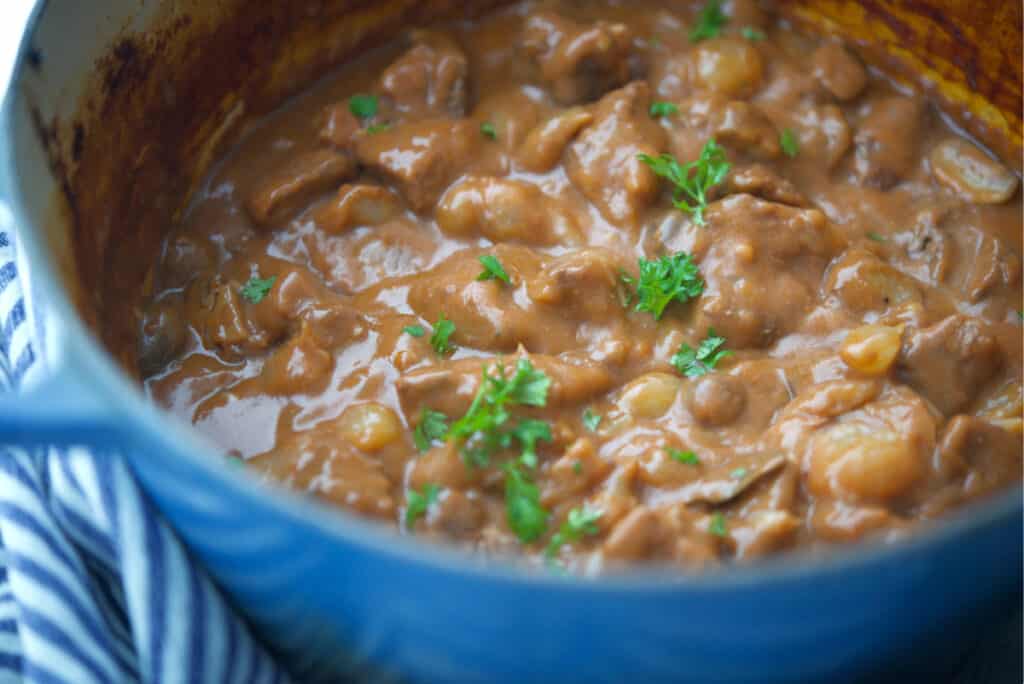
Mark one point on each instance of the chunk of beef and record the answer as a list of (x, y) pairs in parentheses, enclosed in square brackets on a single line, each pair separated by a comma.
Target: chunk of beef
[(449, 386), (762, 182), (950, 362), (504, 210), (740, 126), (763, 269), (578, 62), (582, 283), (887, 141), (982, 457), (602, 161), (839, 71), (357, 205), (428, 79), (421, 158), (296, 183), (824, 134)]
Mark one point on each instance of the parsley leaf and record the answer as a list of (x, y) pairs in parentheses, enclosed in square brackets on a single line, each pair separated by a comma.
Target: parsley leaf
[(488, 130), (417, 503), (710, 21), (684, 457), (663, 280), (695, 363), (751, 33), (739, 473), (580, 522), (443, 329), (363, 106), (693, 179), (591, 420), (433, 426), (662, 109), (493, 269), (414, 330), (717, 525), (529, 431), (483, 427), (789, 142), (525, 515), (577, 467), (378, 127), (877, 237), (256, 289)]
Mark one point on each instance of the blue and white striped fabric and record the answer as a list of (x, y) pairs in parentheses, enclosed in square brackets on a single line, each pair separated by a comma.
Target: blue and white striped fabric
[(94, 586)]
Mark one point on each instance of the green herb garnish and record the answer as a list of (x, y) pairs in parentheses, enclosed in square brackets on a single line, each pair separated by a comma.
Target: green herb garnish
[(443, 330), (662, 109), (579, 523), (693, 179), (695, 363), (717, 525), (414, 330), (577, 467), (257, 288), (684, 457), (483, 429), (493, 269), (663, 280), (789, 142), (751, 33), (529, 431), (591, 420), (710, 21), (739, 473), (433, 426), (378, 127), (488, 130), (527, 518), (417, 503), (363, 106), (877, 237)]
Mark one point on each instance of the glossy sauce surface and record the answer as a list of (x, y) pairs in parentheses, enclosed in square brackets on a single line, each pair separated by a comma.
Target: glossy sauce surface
[(860, 259)]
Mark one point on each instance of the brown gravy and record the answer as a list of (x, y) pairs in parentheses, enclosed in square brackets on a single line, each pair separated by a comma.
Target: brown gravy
[(859, 261)]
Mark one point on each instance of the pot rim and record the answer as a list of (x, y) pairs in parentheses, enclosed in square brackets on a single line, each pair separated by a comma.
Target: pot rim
[(76, 349)]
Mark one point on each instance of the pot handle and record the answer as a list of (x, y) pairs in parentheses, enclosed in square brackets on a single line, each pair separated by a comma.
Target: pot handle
[(59, 411)]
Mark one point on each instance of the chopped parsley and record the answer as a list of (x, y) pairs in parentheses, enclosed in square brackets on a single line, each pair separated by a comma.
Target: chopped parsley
[(581, 522), (257, 288), (693, 179), (363, 106), (417, 503), (877, 237), (710, 22), (717, 525), (663, 280), (529, 431), (488, 130), (493, 270), (662, 109), (695, 363), (577, 467), (414, 330), (378, 127), (789, 143), (739, 473), (483, 429), (1020, 315), (433, 426), (527, 518), (751, 33), (591, 420), (684, 457), (443, 330)]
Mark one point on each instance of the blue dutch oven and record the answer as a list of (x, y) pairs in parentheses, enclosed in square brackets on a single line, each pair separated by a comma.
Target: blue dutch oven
[(336, 593)]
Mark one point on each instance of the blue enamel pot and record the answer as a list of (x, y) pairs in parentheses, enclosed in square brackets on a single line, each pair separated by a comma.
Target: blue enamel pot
[(334, 593)]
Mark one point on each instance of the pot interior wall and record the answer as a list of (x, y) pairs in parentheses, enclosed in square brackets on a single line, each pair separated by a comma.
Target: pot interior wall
[(173, 89)]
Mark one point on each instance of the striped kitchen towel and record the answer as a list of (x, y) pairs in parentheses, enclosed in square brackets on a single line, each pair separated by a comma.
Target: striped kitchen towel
[(94, 586)]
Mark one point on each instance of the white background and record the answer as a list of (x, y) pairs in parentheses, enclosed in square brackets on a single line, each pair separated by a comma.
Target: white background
[(13, 14)]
